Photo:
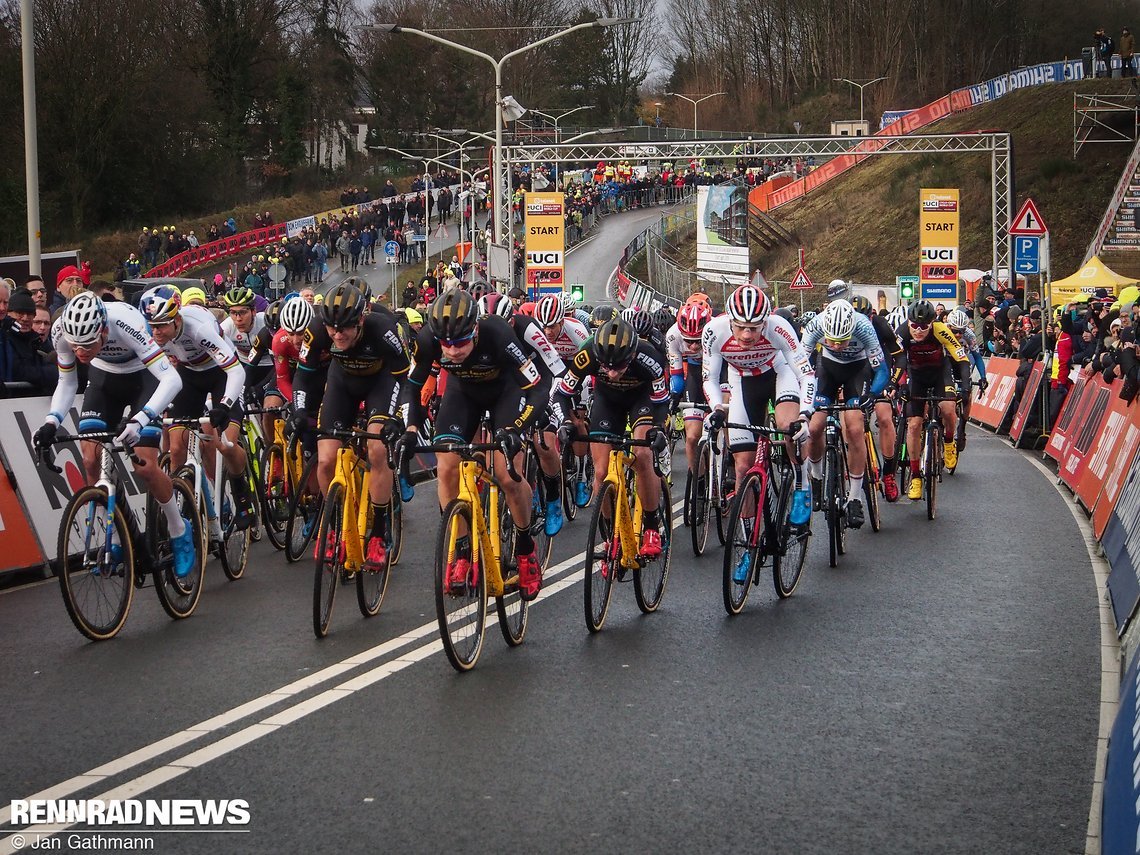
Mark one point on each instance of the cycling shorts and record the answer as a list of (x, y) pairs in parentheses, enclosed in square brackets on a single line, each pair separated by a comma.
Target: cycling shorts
[(833, 377), (611, 411), (344, 393), (935, 383), (463, 405), (751, 395), (190, 402), (110, 398)]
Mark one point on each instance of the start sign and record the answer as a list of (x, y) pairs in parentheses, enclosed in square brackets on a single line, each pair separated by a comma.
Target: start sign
[(545, 240), (938, 226)]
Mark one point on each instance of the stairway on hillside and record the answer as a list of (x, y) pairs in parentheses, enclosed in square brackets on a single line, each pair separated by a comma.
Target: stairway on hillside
[(1121, 250), (766, 232)]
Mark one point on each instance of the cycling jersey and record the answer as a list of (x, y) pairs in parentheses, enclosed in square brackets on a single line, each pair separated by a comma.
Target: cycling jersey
[(244, 342), (128, 349), (641, 393), (200, 346), (377, 347), (859, 350), (776, 339), (684, 357), (928, 355), (285, 357), (530, 334), (570, 338)]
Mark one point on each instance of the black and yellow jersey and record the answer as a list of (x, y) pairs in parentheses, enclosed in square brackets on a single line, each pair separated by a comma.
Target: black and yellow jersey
[(928, 354)]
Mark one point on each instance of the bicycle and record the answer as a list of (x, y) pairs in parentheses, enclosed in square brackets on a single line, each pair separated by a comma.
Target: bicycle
[(476, 527), (576, 469), (872, 475), (708, 488), (275, 470), (102, 555), (345, 521), (769, 485), (933, 449), (834, 497), (543, 543), (615, 531), (304, 514)]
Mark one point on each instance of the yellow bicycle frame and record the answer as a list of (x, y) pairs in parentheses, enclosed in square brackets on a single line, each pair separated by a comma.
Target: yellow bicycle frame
[(486, 539), (295, 464), (353, 477), (628, 524)]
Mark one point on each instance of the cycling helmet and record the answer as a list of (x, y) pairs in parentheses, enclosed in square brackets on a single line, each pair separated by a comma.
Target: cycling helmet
[(638, 319), (496, 304), (663, 318), (273, 316), (896, 317), (161, 304), (550, 310), (748, 305), (194, 297), (691, 319), (84, 319), (922, 312), (957, 320), (602, 314), (699, 297), (615, 342), (569, 304), (517, 293), (527, 308), (239, 296), (838, 321), (807, 317), (785, 313), (361, 285), (343, 307), (453, 315), (861, 305), (296, 315), (479, 290)]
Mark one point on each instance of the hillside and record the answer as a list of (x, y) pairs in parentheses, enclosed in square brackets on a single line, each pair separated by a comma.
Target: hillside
[(863, 225)]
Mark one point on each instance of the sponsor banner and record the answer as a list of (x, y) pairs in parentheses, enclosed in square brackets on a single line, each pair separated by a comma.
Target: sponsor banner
[(1033, 75), (45, 493), (19, 547), (722, 229), (939, 221), (1090, 415), (545, 240), (892, 116), (991, 408), (1121, 544), (622, 282), (1119, 428), (295, 227), (1119, 466), (1119, 825), (1029, 398), (1067, 423)]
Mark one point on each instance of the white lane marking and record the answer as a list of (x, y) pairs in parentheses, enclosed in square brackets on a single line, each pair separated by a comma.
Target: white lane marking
[(255, 731), (1109, 657), (581, 243)]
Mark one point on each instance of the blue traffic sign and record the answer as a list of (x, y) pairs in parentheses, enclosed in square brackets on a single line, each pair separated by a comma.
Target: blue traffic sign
[(1027, 254), (391, 248)]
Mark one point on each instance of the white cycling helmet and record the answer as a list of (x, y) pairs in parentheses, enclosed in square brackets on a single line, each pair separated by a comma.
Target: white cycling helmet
[(838, 320), (496, 304), (569, 304), (896, 317), (296, 315), (84, 319), (748, 305), (549, 311), (957, 320)]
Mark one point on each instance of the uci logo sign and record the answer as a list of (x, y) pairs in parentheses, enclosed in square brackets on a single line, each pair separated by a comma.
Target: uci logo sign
[(551, 258)]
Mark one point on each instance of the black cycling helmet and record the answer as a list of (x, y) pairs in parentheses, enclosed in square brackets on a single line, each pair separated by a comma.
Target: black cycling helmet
[(343, 306), (639, 319), (517, 293), (361, 285), (273, 316), (479, 290), (453, 314), (664, 318), (602, 314), (861, 305), (615, 342), (922, 312)]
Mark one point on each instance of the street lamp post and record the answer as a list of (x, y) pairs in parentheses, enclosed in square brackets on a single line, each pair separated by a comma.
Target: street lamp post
[(695, 100), (861, 86), (500, 200), (556, 120)]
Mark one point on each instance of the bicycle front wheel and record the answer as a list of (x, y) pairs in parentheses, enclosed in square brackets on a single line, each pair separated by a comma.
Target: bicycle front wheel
[(933, 460), (791, 541), (372, 584), (742, 552), (603, 554), (832, 510), (460, 602), (234, 549), (179, 595), (649, 580), (329, 560), (304, 515), (96, 582), (698, 497), (276, 494)]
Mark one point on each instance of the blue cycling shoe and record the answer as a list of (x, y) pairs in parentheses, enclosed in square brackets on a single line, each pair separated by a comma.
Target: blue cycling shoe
[(553, 518), (185, 554), (801, 507), (407, 491), (743, 572), (581, 494)]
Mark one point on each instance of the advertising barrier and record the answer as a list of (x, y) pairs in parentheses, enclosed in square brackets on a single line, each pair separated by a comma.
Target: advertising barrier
[(1090, 415), (1120, 828), (1029, 399), (991, 408), (1062, 434), (1118, 467), (1121, 544)]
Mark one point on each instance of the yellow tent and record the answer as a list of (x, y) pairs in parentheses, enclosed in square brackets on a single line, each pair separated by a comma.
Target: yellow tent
[(1086, 280)]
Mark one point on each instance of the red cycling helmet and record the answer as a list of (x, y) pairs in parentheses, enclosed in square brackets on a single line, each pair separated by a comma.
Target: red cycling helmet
[(691, 319)]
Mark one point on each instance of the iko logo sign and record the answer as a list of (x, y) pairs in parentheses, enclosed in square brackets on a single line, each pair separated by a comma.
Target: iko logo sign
[(939, 273)]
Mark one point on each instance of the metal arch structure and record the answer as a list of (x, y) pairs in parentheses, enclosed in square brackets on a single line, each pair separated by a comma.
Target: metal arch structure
[(996, 144)]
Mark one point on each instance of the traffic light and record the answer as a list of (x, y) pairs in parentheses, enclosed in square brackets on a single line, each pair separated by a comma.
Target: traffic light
[(906, 291), (578, 292)]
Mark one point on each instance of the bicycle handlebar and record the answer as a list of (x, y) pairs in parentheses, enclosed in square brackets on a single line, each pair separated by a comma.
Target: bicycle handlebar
[(47, 456), (790, 431), (468, 449), (199, 424)]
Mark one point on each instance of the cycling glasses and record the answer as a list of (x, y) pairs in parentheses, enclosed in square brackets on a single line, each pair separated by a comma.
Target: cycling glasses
[(457, 342), (915, 326), (614, 366)]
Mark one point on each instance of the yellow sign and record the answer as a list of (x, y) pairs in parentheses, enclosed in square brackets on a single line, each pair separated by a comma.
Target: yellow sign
[(938, 226), (545, 241)]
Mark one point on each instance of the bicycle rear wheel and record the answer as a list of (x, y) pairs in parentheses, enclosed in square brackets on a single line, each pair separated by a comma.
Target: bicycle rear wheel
[(720, 506), (179, 596), (831, 506), (790, 548), (328, 563), (276, 494), (461, 610), (742, 552), (602, 557), (397, 524), (234, 548), (371, 584), (698, 497), (649, 580), (96, 592), (304, 515), (933, 458)]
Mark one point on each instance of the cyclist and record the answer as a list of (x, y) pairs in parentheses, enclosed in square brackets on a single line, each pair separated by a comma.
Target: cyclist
[(209, 366), (630, 386), (488, 371), (663, 319), (128, 371), (249, 332), (572, 310), (642, 323), (959, 323), (600, 315), (366, 363), (929, 348), (766, 364), (884, 411), (850, 351), (683, 343)]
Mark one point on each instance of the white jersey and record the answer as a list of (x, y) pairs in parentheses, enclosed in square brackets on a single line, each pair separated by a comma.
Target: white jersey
[(129, 348), (863, 344), (243, 341), (571, 339), (200, 346), (680, 352), (777, 338)]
